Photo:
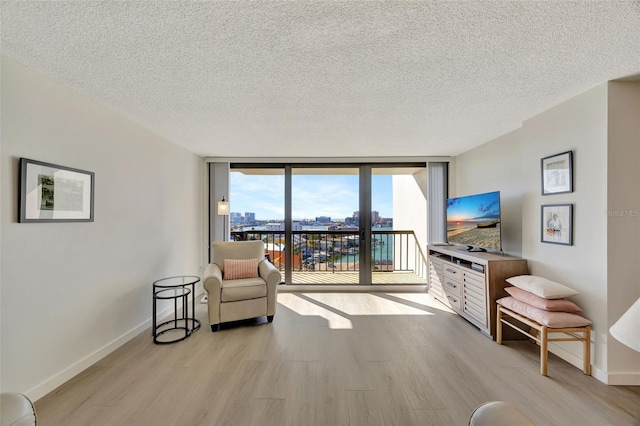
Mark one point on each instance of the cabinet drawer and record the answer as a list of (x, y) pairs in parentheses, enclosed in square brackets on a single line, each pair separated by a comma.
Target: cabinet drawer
[(452, 287), (452, 272), (453, 301)]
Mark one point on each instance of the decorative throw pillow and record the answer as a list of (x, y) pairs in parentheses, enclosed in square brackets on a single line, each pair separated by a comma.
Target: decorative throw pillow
[(555, 305), (235, 269), (541, 287), (550, 319)]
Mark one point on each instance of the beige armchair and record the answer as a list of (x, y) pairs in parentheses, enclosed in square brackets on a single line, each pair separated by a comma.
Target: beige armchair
[(237, 299)]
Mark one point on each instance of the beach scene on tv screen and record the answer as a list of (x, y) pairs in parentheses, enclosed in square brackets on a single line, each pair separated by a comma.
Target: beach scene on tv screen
[(474, 220)]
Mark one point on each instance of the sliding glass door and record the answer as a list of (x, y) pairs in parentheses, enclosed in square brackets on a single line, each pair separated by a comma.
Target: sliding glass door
[(399, 224), (334, 223), (324, 223), (257, 209)]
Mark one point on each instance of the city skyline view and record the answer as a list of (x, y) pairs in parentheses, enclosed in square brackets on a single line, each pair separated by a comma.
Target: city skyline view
[(335, 196)]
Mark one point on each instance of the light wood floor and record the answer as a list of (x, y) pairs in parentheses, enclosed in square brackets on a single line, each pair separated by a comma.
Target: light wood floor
[(333, 359)]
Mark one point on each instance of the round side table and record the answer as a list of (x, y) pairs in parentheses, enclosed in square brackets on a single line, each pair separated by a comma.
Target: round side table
[(176, 289)]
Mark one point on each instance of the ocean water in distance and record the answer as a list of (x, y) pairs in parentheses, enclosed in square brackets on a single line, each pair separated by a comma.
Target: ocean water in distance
[(382, 247)]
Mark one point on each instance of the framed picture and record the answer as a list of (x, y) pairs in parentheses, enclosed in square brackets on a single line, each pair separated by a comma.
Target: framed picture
[(557, 173), (52, 193), (557, 224)]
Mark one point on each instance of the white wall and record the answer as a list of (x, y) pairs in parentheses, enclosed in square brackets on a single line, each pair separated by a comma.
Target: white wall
[(72, 292), (495, 166), (511, 164), (578, 124), (410, 206), (623, 221)]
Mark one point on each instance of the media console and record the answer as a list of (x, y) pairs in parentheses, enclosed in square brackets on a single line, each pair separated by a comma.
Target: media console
[(471, 282)]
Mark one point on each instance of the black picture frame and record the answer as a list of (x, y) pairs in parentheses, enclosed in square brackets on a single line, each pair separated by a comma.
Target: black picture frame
[(53, 193), (556, 224), (556, 172)]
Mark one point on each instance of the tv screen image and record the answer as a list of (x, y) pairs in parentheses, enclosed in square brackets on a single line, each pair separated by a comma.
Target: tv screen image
[(474, 220)]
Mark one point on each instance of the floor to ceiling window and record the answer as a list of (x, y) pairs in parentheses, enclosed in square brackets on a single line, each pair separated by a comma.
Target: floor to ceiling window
[(334, 223), (398, 216), (325, 220)]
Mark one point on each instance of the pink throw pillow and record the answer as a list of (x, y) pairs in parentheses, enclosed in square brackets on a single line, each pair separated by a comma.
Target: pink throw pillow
[(235, 269), (555, 305), (548, 318)]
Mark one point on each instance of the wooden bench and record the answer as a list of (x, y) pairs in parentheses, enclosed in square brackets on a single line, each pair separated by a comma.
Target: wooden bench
[(540, 334)]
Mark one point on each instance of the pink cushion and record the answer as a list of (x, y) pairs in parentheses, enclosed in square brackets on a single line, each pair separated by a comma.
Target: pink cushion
[(548, 318), (235, 269), (556, 305)]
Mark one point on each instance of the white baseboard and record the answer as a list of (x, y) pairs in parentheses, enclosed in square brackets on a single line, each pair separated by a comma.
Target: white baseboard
[(623, 379), (76, 368), (599, 374), (570, 357)]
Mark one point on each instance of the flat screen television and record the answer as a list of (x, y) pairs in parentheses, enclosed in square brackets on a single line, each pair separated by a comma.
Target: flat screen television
[(474, 220)]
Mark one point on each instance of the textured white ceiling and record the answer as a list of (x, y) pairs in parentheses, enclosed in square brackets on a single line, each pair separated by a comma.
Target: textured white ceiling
[(282, 79)]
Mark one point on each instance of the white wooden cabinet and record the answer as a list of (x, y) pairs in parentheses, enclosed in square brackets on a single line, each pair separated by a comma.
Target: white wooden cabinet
[(470, 283)]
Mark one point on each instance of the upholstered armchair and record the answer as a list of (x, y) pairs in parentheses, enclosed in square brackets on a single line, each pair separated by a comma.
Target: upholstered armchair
[(240, 283)]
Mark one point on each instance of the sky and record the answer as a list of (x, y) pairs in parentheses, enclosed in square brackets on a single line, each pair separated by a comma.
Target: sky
[(335, 196)]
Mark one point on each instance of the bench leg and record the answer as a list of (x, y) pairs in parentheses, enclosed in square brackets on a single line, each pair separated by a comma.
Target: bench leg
[(544, 351), (586, 367), (499, 326)]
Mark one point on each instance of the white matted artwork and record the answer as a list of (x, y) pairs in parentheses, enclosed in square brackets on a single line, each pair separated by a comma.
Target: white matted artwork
[(557, 173), (557, 224), (52, 193)]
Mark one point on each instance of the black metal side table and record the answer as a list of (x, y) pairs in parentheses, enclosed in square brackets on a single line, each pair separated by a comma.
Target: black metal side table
[(176, 289)]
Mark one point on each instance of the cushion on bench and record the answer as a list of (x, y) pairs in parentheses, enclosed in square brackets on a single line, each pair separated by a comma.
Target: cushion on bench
[(546, 318), (541, 286), (556, 305)]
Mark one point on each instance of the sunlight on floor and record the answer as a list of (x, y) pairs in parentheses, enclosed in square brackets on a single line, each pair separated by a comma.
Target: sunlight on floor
[(422, 299), (337, 310), (302, 306)]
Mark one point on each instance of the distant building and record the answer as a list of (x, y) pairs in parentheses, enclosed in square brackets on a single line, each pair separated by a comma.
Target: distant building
[(354, 220), (249, 218), (375, 217), (323, 219), (235, 218), (296, 226), (274, 226)]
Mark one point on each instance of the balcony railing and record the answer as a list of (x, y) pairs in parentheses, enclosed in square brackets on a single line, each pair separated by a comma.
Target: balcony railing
[(338, 251)]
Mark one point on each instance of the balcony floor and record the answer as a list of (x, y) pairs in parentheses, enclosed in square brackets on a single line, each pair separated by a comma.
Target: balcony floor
[(351, 277)]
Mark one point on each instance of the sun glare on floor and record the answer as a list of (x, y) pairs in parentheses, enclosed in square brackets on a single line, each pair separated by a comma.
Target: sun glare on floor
[(337, 309), (302, 306), (425, 300)]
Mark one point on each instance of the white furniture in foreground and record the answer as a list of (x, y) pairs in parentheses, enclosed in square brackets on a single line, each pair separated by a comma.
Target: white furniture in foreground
[(16, 410), (627, 329), (498, 413)]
